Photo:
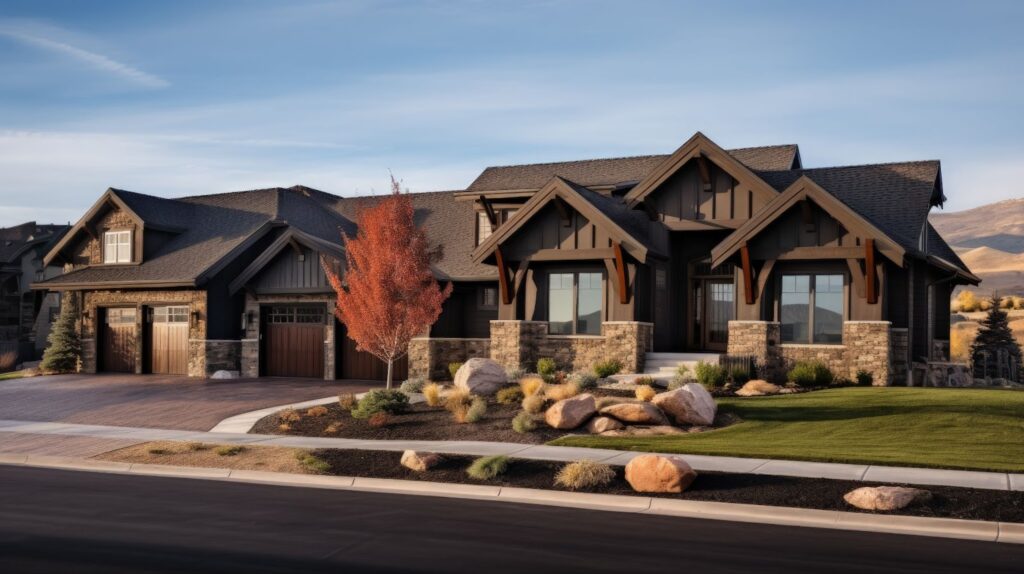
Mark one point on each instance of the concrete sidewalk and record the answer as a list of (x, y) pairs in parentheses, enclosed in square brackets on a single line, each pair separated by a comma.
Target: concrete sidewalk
[(873, 473)]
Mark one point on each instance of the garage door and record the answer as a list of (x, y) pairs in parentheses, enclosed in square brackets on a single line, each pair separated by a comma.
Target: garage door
[(168, 340), (364, 366), (293, 341), (117, 340)]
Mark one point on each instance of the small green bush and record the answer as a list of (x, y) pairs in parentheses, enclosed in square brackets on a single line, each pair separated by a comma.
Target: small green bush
[(584, 380), (524, 423), (605, 369), (534, 404), (312, 462), (488, 467), (476, 411), (709, 375), (677, 382), (229, 450), (413, 385), (683, 371), (380, 400), (515, 374), (811, 373), (864, 378), (509, 395), (546, 367), (739, 375), (454, 368)]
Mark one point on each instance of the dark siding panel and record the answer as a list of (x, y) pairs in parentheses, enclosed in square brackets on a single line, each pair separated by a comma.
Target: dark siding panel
[(289, 272)]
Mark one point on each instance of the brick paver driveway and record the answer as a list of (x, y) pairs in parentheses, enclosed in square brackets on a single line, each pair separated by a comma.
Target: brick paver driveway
[(155, 401)]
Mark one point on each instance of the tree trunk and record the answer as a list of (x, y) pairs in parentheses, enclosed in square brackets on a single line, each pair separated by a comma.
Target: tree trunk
[(391, 362)]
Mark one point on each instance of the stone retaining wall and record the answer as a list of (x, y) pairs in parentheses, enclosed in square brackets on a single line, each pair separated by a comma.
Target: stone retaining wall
[(429, 357), (519, 344)]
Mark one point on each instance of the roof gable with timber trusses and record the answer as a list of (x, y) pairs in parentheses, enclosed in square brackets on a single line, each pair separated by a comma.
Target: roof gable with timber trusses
[(291, 238), (803, 189), (626, 227), (697, 147)]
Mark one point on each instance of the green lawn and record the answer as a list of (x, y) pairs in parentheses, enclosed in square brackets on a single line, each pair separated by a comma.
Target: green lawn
[(949, 428), (12, 375)]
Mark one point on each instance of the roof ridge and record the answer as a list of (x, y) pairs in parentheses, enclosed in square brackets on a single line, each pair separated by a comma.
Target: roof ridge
[(580, 160), (883, 164)]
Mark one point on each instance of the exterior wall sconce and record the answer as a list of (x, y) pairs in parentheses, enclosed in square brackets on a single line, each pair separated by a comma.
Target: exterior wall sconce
[(247, 319)]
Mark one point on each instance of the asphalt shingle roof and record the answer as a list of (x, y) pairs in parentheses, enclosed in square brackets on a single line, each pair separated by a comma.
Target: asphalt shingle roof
[(13, 240)]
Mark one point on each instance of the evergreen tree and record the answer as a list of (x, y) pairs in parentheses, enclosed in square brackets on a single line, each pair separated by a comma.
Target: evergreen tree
[(64, 347), (995, 353)]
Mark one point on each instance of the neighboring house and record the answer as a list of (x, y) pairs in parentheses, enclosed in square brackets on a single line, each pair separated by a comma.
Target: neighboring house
[(741, 252), (25, 317)]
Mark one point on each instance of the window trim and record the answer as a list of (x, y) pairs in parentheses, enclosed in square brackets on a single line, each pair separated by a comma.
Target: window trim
[(130, 243), (481, 301), (575, 272), (502, 214), (812, 301)]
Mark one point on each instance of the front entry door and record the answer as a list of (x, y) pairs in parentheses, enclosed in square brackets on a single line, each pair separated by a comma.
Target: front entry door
[(715, 306)]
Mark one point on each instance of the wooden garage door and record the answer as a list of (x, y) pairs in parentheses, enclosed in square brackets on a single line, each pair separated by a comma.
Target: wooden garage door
[(117, 342), (364, 366), (168, 340), (294, 341)]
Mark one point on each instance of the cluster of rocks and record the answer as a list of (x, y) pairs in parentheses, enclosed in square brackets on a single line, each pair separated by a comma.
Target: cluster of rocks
[(689, 405)]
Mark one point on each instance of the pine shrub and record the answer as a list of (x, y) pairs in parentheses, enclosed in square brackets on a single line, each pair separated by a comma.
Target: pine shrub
[(380, 400), (454, 368), (546, 367), (64, 346), (995, 352)]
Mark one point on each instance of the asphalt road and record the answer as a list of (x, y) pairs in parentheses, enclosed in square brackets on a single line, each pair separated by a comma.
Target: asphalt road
[(64, 521)]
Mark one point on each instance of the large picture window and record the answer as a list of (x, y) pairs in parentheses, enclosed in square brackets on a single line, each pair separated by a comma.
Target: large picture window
[(117, 247), (811, 308), (574, 302)]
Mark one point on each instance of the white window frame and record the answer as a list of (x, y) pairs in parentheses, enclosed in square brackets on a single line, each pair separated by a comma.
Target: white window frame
[(117, 246)]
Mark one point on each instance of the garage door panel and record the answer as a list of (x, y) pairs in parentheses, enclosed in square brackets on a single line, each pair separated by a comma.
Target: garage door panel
[(118, 340), (168, 340), (294, 341)]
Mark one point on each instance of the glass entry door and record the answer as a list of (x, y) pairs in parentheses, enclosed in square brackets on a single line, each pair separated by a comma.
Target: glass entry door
[(716, 306)]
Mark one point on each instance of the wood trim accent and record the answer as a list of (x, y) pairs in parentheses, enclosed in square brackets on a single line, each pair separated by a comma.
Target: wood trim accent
[(803, 253), (763, 275), (870, 289), (489, 210), (748, 279), (563, 212), (503, 286), (858, 276), (296, 248), (520, 275), (620, 273), (705, 172), (572, 254)]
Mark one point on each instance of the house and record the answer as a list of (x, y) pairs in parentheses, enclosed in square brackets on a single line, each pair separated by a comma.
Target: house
[(741, 252), (25, 317)]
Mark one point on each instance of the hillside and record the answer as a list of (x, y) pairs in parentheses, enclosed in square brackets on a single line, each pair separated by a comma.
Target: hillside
[(990, 240)]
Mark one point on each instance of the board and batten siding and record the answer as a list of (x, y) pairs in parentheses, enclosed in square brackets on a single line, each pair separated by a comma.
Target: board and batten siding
[(290, 273), (683, 197), (548, 230)]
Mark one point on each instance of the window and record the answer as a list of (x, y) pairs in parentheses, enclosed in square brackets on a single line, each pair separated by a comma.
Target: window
[(170, 314), (811, 308), (483, 224), (307, 315), (117, 247), (488, 298), (574, 303)]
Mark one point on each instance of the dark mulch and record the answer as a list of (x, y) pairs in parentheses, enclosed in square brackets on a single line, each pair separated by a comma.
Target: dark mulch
[(822, 494), (420, 422)]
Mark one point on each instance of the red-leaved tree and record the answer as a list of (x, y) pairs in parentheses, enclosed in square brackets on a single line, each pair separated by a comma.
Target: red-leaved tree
[(386, 292)]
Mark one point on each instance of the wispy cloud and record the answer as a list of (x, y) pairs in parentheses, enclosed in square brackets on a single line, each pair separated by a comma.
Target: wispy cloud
[(15, 31)]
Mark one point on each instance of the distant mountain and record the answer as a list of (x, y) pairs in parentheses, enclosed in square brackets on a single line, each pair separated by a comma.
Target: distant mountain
[(990, 240)]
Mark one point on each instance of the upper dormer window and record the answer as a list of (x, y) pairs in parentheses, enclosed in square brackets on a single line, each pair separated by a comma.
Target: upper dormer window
[(117, 247), (483, 223)]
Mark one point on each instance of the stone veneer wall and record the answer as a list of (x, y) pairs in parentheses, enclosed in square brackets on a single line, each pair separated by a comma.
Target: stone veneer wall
[(900, 342), (194, 299), (866, 346), (429, 357), (519, 344), (250, 345)]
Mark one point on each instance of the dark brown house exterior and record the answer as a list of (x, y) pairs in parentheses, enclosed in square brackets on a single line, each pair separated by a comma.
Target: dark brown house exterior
[(740, 252)]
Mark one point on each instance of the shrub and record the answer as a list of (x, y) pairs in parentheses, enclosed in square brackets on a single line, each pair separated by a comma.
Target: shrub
[(158, 451), (709, 375), (488, 467), (524, 423), (317, 411), (347, 401), (739, 375), (229, 450), (284, 427), (644, 380), (476, 411), (810, 373), (546, 367), (676, 382), (533, 404), (509, 395), (379, 419), (864, 378), (531, 386), (64, 346), (454, 368), (515, 374), (683, 371), (457, 397), (432, 394), (561, 392), (584, 474), (584, 379), (605, 369), (312, 462), (645, 393), (289, 416), (196, 446), (413, 385), (380, 400)]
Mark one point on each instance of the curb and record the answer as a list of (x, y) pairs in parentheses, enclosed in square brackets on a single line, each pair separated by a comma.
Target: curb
[(1009, 533), (243, 423)]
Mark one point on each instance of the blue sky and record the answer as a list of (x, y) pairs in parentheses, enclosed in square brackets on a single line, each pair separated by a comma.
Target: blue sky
[(178, 98)]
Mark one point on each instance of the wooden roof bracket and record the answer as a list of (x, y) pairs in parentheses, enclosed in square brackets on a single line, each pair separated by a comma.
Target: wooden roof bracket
[(748, 274), (620, 274), (870, 278), (297, 249), (503, 287), (705, 172), (489, 210), (858, 276), (563, 212)]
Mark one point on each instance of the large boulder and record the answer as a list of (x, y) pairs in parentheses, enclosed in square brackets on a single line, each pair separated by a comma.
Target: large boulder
[(636, 413), (480, 376), (572, 412), (420, 461), (689, 404), (757, 388), (885, 498), (655, 473), (598, 425)]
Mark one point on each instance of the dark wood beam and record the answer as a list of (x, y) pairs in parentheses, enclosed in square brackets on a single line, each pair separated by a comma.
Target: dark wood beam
[(572, 254), (763, 275), (652, 213), (748, 274), (807, 212), (870, 289), (802, 253), (503, 286), (705, 172), (492, 216), (563, 212), (620, 270)]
